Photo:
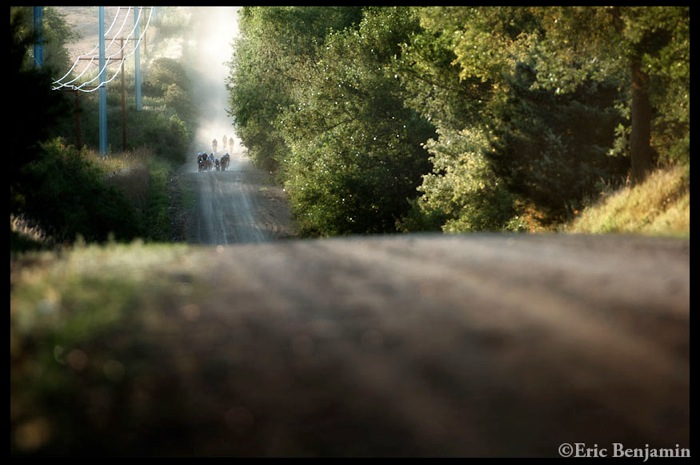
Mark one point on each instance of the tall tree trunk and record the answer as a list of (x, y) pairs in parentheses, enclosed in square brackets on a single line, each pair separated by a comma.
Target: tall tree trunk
[(640, 136)]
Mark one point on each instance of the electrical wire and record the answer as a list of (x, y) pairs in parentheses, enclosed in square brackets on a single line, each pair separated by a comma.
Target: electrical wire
[(107, 61), (89, 54), (108, 58), (92, 60)]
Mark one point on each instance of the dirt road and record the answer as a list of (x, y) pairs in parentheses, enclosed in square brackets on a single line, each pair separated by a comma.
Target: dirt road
[(236, 206), (482, 345), (470, 345), (424, 345)]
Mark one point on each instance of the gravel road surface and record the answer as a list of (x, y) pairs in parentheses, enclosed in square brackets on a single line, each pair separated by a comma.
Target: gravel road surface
[(427, 345), (236, 206), (430, 345), (483, 345)]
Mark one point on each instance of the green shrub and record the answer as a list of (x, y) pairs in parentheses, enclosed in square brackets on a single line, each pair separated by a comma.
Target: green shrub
[(70, 198)]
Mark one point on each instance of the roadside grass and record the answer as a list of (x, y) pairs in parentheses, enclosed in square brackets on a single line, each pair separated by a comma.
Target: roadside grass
[(157, 214), (140, 176), (143, 179), (184, 201), (80, 343), (189, 195), (660, 206), (88, 286), (128, 172)]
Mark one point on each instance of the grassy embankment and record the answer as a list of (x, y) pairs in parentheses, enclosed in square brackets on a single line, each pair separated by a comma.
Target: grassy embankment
[(658, 207)]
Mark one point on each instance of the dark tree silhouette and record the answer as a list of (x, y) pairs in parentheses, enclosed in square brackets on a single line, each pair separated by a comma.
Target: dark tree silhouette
[(35, 110)]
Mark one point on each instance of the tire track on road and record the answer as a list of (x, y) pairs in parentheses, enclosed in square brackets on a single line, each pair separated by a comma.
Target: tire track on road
[(227, 207)]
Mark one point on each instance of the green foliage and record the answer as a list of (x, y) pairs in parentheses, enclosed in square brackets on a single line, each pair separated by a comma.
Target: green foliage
[(170, 22), (276, 46), (66, 192), (552, 150), (164, 123), (599, 43), (70, 198), (670, 75), (162, 74), (463, 187), (421, 219), (531, 107), (552, 116), (56, 34), (431, 83), (168, 136), (157, 211), (577, 44), (33, 115), (355, 148), (487, 41)]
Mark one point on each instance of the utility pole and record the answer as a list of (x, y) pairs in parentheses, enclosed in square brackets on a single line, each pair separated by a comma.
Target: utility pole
[(103, 85), (77, 112), (123, 98), (39, 31), (137, 60), (122, 65)]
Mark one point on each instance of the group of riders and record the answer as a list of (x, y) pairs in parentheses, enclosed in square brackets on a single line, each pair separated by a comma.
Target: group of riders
[(208, 161)]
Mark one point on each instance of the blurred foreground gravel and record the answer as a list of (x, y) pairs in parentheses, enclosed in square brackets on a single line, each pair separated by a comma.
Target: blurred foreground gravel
[(406, 346)]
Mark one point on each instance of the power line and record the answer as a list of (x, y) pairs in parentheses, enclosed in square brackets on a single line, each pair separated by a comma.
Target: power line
[(110, 58), (92, 54), (100, 75), (104, 61)]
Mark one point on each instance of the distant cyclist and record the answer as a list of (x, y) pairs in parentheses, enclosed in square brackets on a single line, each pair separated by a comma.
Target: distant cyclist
[(225, 161)]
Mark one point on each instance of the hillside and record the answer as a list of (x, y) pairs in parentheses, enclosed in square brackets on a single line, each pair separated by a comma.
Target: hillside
[(660, 206)]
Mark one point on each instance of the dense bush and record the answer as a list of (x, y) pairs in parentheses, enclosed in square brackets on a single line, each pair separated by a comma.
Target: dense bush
[(552, 150), (463, 186), (36, 110), (70, 198), (272, 57), (164, 124), (355, 150)]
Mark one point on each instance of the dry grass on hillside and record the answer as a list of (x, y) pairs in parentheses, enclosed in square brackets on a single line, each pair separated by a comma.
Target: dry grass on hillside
[(660, 207)]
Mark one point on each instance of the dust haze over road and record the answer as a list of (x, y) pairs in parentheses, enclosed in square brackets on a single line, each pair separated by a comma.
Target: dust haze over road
[(232, 205), (206, 53)]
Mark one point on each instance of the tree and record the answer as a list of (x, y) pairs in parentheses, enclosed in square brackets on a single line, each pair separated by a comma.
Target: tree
[(516, 108), (275, 45), (533, 105), (36, 108), (646, 48), (463, 192), (356, 154), (56, 34)]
